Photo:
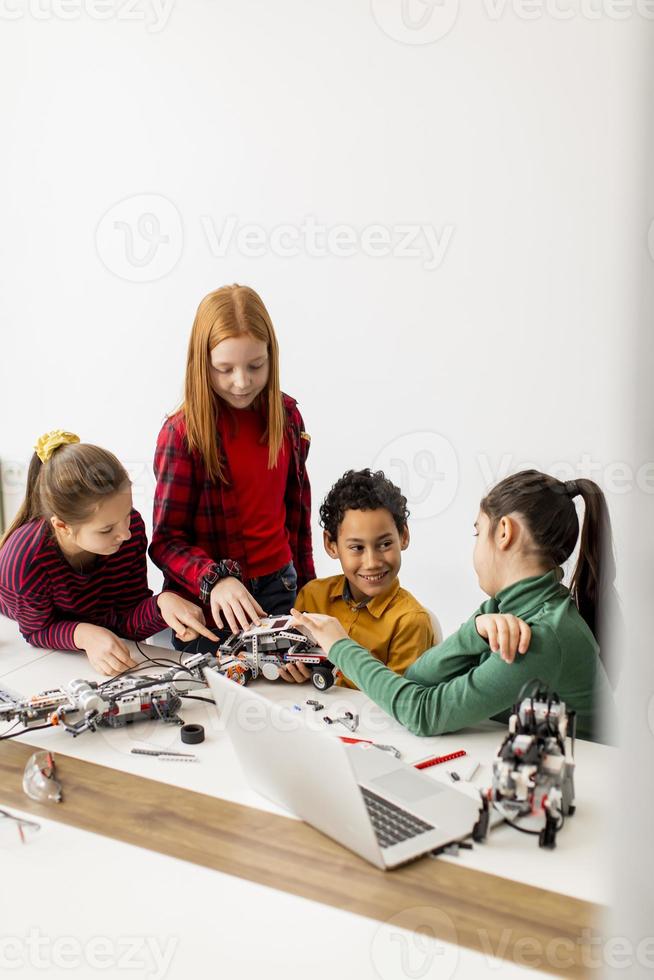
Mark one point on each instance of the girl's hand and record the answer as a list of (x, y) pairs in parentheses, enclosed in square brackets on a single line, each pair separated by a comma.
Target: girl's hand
[(106, 652), (230, 598), (325, 630), (184, 618), (505, 633)]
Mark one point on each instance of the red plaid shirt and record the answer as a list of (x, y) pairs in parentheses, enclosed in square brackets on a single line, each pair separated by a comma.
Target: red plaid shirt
[(197, 521)]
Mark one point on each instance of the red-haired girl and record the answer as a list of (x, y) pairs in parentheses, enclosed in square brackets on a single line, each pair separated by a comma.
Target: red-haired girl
[(232, 505)]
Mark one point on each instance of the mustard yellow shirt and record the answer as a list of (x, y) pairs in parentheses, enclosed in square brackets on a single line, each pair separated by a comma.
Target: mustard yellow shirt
[(393, 626)]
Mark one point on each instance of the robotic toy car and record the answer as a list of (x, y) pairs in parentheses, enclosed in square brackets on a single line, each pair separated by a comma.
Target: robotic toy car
[(266, 648)]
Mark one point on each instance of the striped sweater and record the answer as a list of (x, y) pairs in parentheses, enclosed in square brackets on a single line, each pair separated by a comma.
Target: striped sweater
[(48, 598)]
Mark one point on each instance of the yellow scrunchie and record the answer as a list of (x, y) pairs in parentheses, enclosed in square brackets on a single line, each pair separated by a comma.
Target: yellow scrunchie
[(47, 444)]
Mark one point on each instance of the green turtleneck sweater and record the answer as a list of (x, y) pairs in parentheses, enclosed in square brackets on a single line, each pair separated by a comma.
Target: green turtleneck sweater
[(460, 683)]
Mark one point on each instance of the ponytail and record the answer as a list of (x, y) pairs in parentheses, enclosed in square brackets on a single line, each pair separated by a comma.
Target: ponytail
[(68, 479), (29, 507), (595, 571)]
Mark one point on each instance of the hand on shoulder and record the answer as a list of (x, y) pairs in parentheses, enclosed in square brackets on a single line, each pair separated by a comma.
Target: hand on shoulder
[(506, 634)]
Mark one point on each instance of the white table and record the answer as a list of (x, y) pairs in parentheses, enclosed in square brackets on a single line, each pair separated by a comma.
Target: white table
[(139, 892)]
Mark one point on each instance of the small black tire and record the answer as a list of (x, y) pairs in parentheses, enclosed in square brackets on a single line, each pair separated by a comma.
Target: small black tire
[(322, 678)]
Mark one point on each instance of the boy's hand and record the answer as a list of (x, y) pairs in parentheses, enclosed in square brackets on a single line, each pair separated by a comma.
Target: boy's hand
[(184, 618), (325, 630), (106, 652), (230, 598), (296, 672), (505, 633)]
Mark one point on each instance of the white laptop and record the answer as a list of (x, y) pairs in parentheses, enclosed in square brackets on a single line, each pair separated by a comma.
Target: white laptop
[(362, 797)]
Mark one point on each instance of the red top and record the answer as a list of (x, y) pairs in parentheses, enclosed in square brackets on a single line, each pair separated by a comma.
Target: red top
[(198, 521), (260, 490), (48, 598)]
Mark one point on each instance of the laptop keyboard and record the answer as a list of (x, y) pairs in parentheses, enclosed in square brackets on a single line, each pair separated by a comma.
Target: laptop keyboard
[(391, 823)]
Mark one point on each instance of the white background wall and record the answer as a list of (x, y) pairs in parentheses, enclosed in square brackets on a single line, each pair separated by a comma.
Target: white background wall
[(517, 141)]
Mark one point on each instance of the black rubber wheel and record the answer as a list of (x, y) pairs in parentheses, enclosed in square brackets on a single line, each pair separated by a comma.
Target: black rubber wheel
[(322, 679)]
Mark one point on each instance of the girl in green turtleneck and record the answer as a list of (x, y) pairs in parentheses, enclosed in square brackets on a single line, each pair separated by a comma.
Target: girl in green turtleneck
[(526, 528)]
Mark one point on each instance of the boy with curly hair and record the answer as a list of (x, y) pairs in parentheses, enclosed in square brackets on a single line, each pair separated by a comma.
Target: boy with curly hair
[(364, 518)]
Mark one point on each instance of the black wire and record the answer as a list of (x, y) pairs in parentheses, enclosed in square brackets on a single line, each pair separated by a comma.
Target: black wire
[(192, 697), (148, 681), (522, 693), (161, 662), (36, 728), (115, 677), (523, 830), (10, 730)]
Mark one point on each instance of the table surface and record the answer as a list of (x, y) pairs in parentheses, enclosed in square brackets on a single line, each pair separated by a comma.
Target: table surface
[(574, 868)]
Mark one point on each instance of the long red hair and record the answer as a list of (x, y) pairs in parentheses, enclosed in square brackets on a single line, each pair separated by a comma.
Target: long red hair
[(230, 311)]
